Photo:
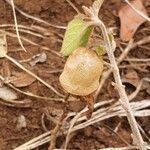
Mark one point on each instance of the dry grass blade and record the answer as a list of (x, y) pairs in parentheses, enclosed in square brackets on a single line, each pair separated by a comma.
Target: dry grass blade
[(142, 113), (99, 115), (16, 25), (99, 125), (121, 90), (33, 75), (73, 6), (35, 18), (33, 28), (72, 122), (55, 131), (5, 26), (17, 104), (105, 113), (137, 60), (31, 33), (136, 66), (124, 148), (30, 42), (144, 133), (3, 53), (35, 142), (31, 94), (134, 94), (38, 140), (120, 59)]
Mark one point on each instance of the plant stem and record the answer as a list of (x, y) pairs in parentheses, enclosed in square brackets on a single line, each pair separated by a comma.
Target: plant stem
[(121, 89), (58, 125)]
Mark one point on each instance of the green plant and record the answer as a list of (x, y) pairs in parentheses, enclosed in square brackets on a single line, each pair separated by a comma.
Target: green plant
[(92, 20)]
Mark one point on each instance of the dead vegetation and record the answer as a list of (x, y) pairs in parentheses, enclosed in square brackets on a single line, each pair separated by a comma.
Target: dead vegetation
[(30, 68)]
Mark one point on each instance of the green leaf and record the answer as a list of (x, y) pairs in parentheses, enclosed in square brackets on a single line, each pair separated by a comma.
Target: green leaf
[(76, 35), (100, 50), (3, 45)]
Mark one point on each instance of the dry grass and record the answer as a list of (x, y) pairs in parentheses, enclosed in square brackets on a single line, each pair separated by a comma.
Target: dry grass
[(102, 111)]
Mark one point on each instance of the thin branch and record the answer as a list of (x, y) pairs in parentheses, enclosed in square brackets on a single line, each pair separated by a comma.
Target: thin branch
[(16, 25), (31, 94), (72, 122), (35, 18), (30, 42), (33, 75), (99, 125), (136, 66), (111, 111), (34, 28), (144, 133), (29, 32), (101, 113), (121, 89), (138, 88), (120, 59), (73, 6), (55, 131), (137, 59)]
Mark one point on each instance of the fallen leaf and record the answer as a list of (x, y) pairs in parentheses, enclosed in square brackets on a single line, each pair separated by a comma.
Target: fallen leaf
[(131, 77), (39, 58), (130, 20), (7, 93), (21, 122), (21, 79)]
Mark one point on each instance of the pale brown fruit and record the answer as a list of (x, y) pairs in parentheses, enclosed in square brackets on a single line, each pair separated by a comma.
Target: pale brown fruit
[(81, 72)]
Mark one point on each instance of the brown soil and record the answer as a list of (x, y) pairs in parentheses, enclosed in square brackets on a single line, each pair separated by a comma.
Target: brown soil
[(60, 12)]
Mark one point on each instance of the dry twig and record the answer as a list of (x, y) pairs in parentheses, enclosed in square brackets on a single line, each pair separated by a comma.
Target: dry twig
[(121, 90), (33, 75), (54, 132), (16, 25), (35, 18), (31, 94), (120, 59), (100, 114), (124, 148), (30, 42), (73, 6)]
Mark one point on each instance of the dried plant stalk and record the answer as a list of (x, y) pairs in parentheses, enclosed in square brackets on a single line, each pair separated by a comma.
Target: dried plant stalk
[(121, 89)]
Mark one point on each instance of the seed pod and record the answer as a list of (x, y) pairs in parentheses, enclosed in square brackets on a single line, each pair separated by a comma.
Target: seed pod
[(81, 72)]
